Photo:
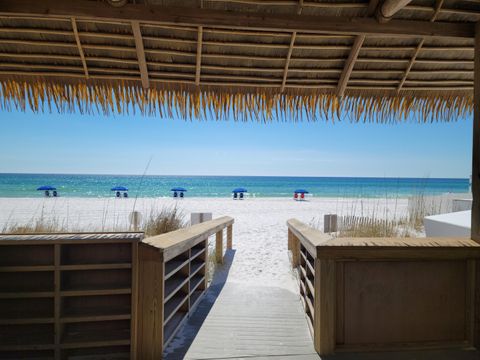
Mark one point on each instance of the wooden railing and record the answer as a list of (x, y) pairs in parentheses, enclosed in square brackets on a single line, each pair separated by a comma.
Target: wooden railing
[(172, 280), (387, 293), (102, 295)]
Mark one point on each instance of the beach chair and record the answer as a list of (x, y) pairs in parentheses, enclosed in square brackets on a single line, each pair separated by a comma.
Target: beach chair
[(241, 196), (47, 193), (302, 196), (175, 194), (125, 195), (235, 196), (295, 196), (55, 193), (181, 195), (117, 194)]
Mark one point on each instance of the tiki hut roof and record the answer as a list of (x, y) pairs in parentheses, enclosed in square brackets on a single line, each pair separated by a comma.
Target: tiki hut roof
[(247, 59)]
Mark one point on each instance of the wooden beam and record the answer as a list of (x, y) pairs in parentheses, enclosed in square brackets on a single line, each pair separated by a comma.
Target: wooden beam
[(352, 57), (410, 64), (300, 7), (155, 14), (419, 48), (389, 8), (199, 55), (79, 45), (372, 6), (476, 142), (347, 70), (142, 63), (287, 62)]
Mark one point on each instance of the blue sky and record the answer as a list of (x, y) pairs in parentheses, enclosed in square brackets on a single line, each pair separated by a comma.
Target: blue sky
[(66, 143)]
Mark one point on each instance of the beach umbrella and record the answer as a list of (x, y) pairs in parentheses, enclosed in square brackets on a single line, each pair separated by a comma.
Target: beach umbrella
[(46, 188), (179, 189), (239, 190), (301, 191), (119, 188)]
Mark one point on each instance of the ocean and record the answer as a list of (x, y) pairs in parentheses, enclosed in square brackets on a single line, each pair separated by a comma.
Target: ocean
[(25, 185)]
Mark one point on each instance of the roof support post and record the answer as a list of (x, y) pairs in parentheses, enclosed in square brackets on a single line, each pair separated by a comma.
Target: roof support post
[(79, 45), (142, 63), (475, 226), (476, 140)]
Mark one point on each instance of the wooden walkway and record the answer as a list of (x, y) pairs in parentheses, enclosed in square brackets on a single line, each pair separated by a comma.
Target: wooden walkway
[(237, 321), (240, 321)]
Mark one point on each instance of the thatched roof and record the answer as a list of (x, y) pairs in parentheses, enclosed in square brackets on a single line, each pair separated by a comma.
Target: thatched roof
[(260, 59)]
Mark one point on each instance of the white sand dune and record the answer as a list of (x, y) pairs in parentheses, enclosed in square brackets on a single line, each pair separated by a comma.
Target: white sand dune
[(260, 232)]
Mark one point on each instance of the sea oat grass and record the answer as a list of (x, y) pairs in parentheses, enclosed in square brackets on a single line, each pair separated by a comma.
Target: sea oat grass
[(164, 221)]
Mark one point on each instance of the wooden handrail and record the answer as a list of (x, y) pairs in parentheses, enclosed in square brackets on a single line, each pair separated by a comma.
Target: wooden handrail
[(173, 243), (321, 245), (308, 236)]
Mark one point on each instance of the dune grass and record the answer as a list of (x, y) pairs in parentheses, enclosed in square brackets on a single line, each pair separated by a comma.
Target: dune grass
[(164, 221), (368, 227), (38, 226), (158, 222)]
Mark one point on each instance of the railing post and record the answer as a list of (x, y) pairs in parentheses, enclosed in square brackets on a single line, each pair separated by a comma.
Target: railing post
[(229, 237), (294, 247), (324, 307), (219, 247), (330, 223)]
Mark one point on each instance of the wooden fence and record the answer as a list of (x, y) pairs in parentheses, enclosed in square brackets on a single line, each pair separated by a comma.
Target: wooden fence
[(387, 293), (100, 294)]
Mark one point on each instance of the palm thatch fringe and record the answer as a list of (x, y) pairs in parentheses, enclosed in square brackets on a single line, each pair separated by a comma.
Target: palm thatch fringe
[(258, 104)]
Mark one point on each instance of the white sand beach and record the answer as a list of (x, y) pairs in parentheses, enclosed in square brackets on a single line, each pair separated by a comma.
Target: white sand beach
[(260, 232)]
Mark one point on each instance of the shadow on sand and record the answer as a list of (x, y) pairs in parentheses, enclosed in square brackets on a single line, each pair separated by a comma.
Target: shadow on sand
[(180, 344)]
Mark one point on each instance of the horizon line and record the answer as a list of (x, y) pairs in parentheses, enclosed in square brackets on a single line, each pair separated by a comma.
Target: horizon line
[(265, 176)]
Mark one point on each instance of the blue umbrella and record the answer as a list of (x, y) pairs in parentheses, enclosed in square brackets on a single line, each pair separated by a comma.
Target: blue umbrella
[(180, 189), (239, 190), (46, 188), (301, 191), (119, 188)]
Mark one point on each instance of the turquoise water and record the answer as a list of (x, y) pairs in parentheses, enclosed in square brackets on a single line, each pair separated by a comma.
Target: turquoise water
[(24, 185)]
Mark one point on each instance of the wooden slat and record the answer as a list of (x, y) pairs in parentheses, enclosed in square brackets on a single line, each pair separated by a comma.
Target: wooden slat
[(410, 64), (349, 64), (199, 55), (219, 247), (353, 55), (219, 18), (142, 64), (79, 45), (287, 61), (229, 237), (418, 49)]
